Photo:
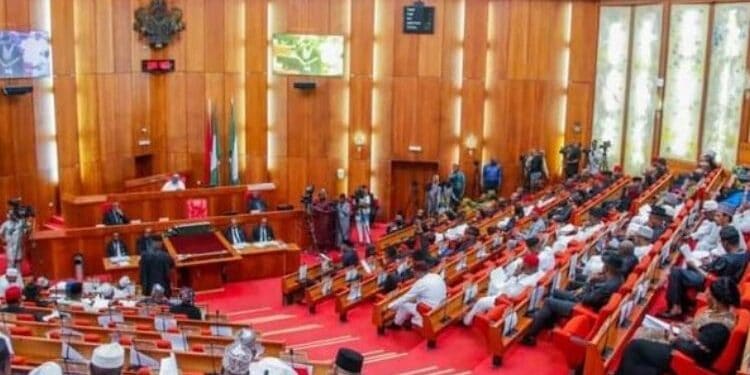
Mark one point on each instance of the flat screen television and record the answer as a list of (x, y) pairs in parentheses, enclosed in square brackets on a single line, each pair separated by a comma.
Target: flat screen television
[(308, 54), (25, 54)]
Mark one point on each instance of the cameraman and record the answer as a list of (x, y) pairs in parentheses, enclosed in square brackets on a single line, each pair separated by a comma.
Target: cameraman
[(13, 231), (572, 156)]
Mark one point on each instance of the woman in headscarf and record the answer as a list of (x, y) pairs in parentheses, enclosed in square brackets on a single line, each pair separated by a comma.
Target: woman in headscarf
[(703, 340)]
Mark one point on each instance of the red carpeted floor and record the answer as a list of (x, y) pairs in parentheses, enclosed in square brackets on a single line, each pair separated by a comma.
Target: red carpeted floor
[(459, 350)]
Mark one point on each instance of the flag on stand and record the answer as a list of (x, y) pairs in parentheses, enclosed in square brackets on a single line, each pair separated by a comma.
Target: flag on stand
[(212, 152), (234, 159)]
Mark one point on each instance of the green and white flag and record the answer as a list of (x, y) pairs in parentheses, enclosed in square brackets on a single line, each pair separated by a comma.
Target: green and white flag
[(234, 159)]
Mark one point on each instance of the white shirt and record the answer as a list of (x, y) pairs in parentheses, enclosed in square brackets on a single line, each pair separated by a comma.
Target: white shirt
[(170, 186), (515, 285), (641, 251), (546, 260), (430, 289), (707, 236), (4, 284), (273, 366)]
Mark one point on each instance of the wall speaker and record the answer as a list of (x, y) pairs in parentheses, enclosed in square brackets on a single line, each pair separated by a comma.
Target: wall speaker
[(304, 85), (16, 90)]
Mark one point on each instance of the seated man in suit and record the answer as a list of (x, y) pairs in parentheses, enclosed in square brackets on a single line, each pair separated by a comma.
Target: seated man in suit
[(115, 216), (256, 203), (560, 304), (116, 247), (235, 234), (349, 256), (146, 242), (187, 305), (263, 232)]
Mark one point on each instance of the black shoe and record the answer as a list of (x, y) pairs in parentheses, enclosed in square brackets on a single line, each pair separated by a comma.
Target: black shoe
[(528, 340), (395, 327)]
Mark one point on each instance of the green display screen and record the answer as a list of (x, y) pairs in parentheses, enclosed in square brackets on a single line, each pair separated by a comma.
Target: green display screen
[(308, 54)]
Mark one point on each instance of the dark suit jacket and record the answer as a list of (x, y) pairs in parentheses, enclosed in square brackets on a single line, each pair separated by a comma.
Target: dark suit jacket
[(349, 258), (230, 237), (269, 233), (144, 243), (596, 295), (729, 265), (112, 252), (155, 267), (111, 218), (256, 205), (191, 311)]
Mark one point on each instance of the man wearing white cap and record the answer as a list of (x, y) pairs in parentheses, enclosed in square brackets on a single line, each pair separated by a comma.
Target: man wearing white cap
[(124, 288), (236, 360), (107, 359), (707, 234), (724, 215), (47, 368), (11, 277), (270, 365), (642, 236)]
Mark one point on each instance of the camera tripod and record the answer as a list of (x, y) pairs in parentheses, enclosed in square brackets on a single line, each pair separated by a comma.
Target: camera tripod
[(310, 224)]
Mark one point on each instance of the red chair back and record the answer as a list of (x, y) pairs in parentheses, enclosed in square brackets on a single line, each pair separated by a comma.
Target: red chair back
[(197, 208), (607, 310), (730, 356)]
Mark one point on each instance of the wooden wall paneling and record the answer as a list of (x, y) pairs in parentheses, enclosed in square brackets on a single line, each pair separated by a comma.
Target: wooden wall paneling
[(472, 124), (475, 39), (66, 119), (85, 36), (140, 124), (579, 112), (122, 35), (17, 15), (107, 123), (299, 171), (256, 35), (498, 39), (362, 38), (583, 38), (256, 130), (320, 130), (518, 40), (404, 120), (299, 116), (234, 35), (105, 41), (6, 143), (234, 91), (214, 50), (139, 49), (541, 27), (2, 14), (194, 36), (338, 146), (215, 90), (425, 130), (177, 148), (360, 121), (62, 21), (431, 45), (157, 121), (196, 117), (88, 134), (405, 46)]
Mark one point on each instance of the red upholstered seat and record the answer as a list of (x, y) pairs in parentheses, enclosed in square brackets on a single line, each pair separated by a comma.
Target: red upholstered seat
[(198, 348), (144, 327), (20, 331), (144, 371), (91, 337), (629, 284), (25, 317), (126, 341), (482, 322), (163, 344), (18, 360), (83, 323), (579, 326), (728, 359), (55, 335), (603, 313)]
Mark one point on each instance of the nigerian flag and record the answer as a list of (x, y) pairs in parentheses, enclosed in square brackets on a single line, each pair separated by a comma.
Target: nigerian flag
[(215, 149), (234, 159)]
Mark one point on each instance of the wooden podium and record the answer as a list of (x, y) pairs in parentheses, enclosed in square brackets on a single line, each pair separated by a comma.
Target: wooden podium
[(201, 258)]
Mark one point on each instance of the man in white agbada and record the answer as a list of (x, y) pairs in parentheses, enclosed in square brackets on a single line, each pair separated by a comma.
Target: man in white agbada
[(707, 234), (11, 277), (430, 289), (510, 285), (271, 366), (47, 368), (174, 183), (124, 288)]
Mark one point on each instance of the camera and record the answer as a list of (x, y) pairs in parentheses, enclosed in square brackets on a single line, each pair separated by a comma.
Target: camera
[(307, 195), (605, 145)]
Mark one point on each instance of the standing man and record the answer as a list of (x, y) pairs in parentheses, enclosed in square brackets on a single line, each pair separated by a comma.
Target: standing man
[(263, 232), (572, 155), (433, 196), (343, 219), (492, 176), (115, 216), (457, 180), (146, 242), (13, 231), (363, 203), (155, 267)]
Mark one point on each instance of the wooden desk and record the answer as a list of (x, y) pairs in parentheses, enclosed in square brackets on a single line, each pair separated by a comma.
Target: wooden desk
[(202, 271), (51, 252), (263, 262), (84, 211), (154, 182), (127, 268)]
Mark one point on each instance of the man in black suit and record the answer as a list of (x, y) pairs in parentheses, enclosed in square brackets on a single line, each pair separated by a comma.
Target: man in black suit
[(235, 234), (594, 295), (263, 232), (117, 247), (732, 265), (256, 203), (115, 216), (626, 252), (349, 256), (155, 268), (146, 242)]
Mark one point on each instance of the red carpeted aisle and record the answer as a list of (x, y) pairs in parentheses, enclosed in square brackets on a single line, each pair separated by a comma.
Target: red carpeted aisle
[(459, 350)]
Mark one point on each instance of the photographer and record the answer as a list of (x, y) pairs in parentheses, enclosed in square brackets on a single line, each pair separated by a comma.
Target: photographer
[(571, 159), (14, 230)]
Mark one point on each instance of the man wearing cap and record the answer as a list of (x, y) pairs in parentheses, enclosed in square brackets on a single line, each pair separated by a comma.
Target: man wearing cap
[(47, 368), (187, 305), (429, 289), (348, 362), (11, 277), (732, 264), (641, 236), (249, 339), (174, 183), (657, 221), (13, 303), (502, 284), (707, 234), (107, 359), (594, 295), (124, 288)]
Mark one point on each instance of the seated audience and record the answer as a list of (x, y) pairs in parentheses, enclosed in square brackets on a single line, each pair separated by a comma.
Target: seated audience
[(263, 232), (115, 216), (256, 203), (731, 265), (235, 234), (146, 242), (560, 304), (703, 340), (187, 305), (429, 289), (236, 360), (124, 289), (11, 277), (158, 296), (174, 183), (13, 303), (116, 247), (349, 256)]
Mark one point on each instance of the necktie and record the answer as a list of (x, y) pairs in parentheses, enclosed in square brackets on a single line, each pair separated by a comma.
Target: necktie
[(117, 248), (236, 235), (263, 234)]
